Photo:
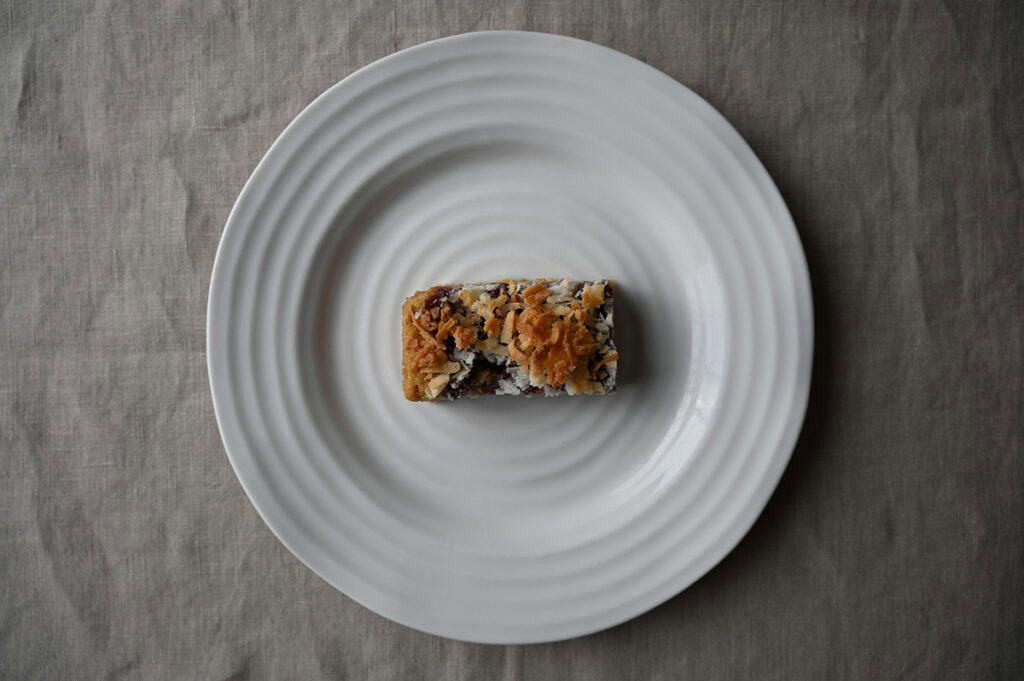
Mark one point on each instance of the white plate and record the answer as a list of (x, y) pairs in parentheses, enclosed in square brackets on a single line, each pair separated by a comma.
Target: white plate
[(478, 157)]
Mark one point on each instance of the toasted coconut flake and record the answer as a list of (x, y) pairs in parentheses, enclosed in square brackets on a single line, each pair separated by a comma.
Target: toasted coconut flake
[(536, 295), (593, 295), (493, 327), (464, 337), (445, 329), (508, 327)]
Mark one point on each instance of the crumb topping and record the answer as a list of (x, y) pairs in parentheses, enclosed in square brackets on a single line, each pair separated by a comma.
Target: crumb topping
[(551, 332)]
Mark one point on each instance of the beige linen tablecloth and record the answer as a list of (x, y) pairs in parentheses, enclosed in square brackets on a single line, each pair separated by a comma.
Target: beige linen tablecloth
[(893, 547)]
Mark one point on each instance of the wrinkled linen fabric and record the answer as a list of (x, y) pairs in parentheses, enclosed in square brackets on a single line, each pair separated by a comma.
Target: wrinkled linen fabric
[(893, 546)]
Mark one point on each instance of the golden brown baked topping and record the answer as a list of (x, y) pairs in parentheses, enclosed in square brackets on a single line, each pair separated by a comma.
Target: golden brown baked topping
[(423, 355), (508, 327), (593, 295), (493, 326), (464, 336), (445, 329), (551, 332), (536, 294)]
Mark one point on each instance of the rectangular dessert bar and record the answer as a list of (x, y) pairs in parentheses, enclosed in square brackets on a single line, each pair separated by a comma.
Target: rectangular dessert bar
[(512, 337)]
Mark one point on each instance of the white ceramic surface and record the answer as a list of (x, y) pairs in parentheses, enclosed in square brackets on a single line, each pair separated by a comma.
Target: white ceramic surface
[(478, 157)]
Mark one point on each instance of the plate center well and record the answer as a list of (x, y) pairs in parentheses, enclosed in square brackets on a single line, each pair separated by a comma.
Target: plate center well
[(483, 210)]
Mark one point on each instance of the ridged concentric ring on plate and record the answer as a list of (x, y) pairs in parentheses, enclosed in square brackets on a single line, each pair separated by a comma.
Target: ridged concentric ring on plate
[(477, 157)]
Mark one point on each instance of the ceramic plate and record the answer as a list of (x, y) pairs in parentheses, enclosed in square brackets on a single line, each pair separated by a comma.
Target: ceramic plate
[(479, 157)]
